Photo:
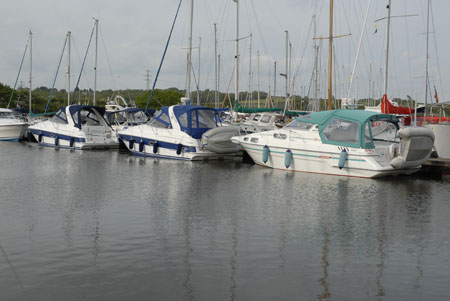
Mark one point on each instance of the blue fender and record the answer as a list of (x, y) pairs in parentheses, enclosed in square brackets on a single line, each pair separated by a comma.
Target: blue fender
[(287, 158), (342, 159), (265, 154), (141, 146), (131, 144), (155, 147), (71, 142), (56, 141)]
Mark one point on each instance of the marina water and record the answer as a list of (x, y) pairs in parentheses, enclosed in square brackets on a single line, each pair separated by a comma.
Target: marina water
[(104, 225)]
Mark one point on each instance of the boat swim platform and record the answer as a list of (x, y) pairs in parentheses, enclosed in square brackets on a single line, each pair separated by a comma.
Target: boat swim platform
[(436, 165)]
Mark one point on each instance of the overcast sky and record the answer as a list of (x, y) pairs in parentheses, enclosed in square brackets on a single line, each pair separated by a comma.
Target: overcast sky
[(133, 34)]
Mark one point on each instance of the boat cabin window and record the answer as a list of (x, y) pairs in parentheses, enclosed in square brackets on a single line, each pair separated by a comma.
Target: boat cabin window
[(265, 119), (299, 125), (6, 115), (256, 117), (280, 136), (254, 140), (182, 119), (116, 118), (158, 123), (138, 116), (340, 130), (89, 118), (203, 119), (60, 117)]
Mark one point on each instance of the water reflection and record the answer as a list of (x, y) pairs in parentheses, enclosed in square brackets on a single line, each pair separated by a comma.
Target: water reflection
[(95, 224)]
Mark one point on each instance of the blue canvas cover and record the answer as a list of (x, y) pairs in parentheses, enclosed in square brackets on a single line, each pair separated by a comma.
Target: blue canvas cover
[(73, 109), (195, 120)]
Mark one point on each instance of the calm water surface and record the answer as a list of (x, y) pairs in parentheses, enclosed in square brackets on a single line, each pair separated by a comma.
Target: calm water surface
[(104, 225)]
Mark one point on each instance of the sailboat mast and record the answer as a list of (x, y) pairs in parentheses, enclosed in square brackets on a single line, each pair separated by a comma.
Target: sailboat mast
[(426, 58), (69, 34), (259, 87), (386, 50), (198, 80), (216, 94), (236, 55), (250, 73), (330, 57), (95, 66), (189, 58), (31, 69), (287, 64), (316, 65)]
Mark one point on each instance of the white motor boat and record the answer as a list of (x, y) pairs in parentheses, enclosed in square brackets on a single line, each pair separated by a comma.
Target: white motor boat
[(175, 133), (76, 126), (12, 126), (351, 143), (259, 122)]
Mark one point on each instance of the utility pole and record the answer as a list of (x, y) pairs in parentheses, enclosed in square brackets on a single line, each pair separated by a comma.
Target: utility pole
[(147, 79)]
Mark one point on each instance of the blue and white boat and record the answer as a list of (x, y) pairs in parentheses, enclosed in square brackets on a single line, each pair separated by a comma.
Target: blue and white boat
[(77, 127), (12, 126), (175, 133)]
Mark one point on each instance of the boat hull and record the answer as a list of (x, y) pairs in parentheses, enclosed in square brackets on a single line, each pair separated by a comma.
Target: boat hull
[(321, 162), (59, 140), (166, 149), (442, 139), (12, 132)]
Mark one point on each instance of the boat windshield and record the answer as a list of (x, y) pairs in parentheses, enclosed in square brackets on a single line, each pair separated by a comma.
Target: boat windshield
[(206, 119), (382, 131), (299, 125), (342, 132), (9, 115), (60, 117)]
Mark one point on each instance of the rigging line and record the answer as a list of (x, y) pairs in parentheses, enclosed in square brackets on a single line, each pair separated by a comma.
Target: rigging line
[(56, 76), (275, 17), (108, 61), (77, 52), (359, 48), (258, 26), (363, 49), (304, 48), (162, 59), (18, 74), (298, 63), (82, 65), (436, 50)]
